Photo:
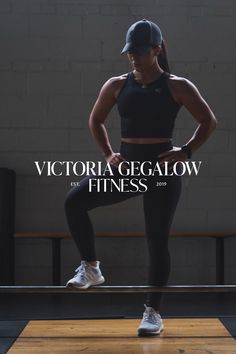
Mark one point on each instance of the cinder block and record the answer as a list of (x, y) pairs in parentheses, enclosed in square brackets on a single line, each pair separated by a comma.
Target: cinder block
[(121, 67), (220, 82), (194, 11), (5, 66), (55, 48), (229, 3), (161, 11), (81, 140), (220, 67), (114, 10), (50, 198), (54, 83), (12, 83), (36, 219), (193, 275), (201, 252), (14, 25), (106, 66), (20, 66), (219, 9), (111, 50), (8, 139), (36, 66), (230, 275), (24, 180), (221, 165), (34, 257), (223, 110), (43, 140), (222, 220), (74, 9), (67, 9), (8, 112), (187, 3), (22, 162), (215, 25), (22, 199), (92, 82), (56, 65), (136, 2), (232, 141), (22, 111), (217, 142), (189, 220), (105, 27), (42, 7), (19, 6), (138, 11), (86, 66), (65, 111), (49, 25), (33, 275), (230, 244), (212, 198), (23, 66), (199, 182), (69, 254), (5, 6)]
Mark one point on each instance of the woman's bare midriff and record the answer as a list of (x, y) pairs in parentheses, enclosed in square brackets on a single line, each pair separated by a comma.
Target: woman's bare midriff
[(146, 140)]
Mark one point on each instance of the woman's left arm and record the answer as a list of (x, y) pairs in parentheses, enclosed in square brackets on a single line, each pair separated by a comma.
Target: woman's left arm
[(189, 96)]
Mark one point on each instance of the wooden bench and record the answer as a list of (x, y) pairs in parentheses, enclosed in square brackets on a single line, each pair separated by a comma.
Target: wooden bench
[(117, 289), (57, 237)]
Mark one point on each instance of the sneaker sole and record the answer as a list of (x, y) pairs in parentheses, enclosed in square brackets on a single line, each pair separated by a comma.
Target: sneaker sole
[(71, 285), (146, 333)]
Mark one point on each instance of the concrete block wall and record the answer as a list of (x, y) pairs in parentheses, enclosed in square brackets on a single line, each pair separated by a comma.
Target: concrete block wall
[(55, 56)]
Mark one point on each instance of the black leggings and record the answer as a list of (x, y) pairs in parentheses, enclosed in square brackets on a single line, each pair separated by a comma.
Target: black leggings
[(159, 204)]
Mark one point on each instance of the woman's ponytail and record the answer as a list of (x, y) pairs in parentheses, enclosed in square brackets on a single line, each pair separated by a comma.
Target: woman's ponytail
[(162, 58)]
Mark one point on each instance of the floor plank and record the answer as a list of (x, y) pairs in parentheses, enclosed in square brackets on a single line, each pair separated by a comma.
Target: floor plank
[(189, 336)]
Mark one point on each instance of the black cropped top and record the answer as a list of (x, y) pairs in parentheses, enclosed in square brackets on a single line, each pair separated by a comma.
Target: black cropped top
[(147, 111)]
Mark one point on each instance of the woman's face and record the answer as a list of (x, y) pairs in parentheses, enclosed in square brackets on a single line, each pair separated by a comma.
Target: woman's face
[(142, 62)]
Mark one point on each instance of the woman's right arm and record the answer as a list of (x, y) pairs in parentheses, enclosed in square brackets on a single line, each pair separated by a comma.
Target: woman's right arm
[(103, 105)]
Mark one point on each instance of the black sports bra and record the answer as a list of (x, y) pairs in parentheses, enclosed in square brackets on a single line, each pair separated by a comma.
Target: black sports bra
[(147, 111)]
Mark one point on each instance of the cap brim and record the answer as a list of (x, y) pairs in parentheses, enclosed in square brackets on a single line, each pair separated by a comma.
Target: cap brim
[(138, 50)]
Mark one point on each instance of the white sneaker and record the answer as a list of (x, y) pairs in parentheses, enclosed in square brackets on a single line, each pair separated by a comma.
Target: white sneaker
[(86, 276), (151, 323)]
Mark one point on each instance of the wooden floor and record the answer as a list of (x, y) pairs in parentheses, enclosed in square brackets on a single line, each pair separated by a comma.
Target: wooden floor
[(189, 336)]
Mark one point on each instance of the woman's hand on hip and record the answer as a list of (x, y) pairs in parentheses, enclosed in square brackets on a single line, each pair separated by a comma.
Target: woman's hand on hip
[(115, 159), (172, 156)]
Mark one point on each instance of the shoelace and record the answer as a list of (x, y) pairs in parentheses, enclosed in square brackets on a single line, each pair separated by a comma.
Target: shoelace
[(151, 316), (81, 269)]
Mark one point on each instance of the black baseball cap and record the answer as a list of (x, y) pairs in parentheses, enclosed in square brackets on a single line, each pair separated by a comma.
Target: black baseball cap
[(141, 37)]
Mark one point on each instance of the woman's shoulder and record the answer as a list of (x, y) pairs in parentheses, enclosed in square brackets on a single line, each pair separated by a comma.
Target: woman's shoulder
[(115, 83), (175, 79), (117, 80), (179, 82), (180, 86)]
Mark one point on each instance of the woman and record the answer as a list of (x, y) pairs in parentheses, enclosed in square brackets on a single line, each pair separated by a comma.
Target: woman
[(148, 100)]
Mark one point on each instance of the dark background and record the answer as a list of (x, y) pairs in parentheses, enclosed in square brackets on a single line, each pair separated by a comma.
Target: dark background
[(54, 57)]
